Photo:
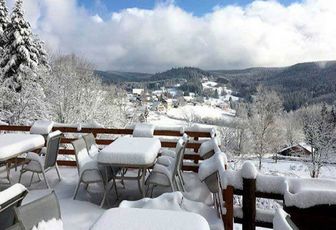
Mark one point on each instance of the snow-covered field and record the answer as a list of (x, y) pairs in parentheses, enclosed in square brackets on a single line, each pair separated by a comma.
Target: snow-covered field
[(200, 112)]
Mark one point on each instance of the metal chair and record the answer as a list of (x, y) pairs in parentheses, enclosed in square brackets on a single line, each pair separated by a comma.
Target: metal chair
[(10, 198), (45, 208), (168, 175), (168, 157), (34, 163), (91, 145), (88, 170)]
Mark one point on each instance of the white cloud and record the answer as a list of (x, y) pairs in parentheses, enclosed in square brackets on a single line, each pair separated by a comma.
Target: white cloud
[(263, 33)]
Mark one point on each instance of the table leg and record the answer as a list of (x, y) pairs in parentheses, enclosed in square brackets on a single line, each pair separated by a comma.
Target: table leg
[(106, 187), (143, 182), (8, 171)]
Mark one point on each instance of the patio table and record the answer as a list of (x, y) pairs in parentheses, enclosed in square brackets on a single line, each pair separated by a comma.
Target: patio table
[(150, 219), (12, 145), (131, 152)]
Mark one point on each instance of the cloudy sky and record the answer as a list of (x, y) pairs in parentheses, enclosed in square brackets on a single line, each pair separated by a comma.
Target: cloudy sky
[(151, 36)]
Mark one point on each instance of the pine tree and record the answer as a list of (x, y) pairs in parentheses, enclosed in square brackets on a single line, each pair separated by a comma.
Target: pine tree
[(20, 57), (22, 67), (4, 21)]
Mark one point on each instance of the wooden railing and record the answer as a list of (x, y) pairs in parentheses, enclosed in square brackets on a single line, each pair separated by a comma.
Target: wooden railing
[(316, 217), (110, 134)]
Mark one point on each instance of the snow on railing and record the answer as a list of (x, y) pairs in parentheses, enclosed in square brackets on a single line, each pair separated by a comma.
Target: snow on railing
[(310, 202), (105, 136)]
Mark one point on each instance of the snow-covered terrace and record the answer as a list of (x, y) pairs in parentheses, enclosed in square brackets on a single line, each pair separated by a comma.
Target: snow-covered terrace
[(311, 202), (85, 210)]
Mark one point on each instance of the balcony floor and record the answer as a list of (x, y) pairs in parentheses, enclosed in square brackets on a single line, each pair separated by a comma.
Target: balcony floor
[(84, 211)]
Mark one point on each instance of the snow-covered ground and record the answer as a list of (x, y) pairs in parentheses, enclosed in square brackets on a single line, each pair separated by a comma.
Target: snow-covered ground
[(200, 112), (84, 211)]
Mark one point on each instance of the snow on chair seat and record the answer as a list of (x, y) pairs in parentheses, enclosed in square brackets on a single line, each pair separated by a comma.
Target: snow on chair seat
[(10, 198), (149, 219)]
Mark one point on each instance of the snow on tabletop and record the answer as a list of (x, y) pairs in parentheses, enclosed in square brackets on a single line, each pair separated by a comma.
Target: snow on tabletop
[(11, 192), (149, 219), (270, 184), (143, 130), (130, 150), (12, 144), (177, 202), (212, 165), (52, 224), (249, 171), (308, 192), (41, 127), (279, 220)]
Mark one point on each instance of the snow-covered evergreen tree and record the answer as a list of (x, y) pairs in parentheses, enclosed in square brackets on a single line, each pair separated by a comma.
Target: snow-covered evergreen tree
[(20, 56), (22, 67), (4, 21)]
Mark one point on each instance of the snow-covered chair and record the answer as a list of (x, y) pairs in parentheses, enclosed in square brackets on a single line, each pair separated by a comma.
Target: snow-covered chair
[(208, 148), (282, 221), (36, 164), (41, 127), (168, 157), (209, 169), (91, 145), (143, 130), (43, 210), (93, 151), (167, 172), (10, 198), (88, 170)]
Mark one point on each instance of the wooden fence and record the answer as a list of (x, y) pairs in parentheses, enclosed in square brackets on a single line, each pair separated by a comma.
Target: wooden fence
[(191, 158), (316, 217)]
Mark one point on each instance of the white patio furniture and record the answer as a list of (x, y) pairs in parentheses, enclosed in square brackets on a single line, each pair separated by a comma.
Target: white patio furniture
[(42, 127), (167, 170), (149, 219), (129, 152), (44, 209), (14, 144), (10, 198), (168, 156), (88, 170), (39, 164), (143, 130)]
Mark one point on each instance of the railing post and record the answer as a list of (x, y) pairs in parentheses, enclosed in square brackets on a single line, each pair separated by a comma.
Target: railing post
[(228, 199), (249, 204)]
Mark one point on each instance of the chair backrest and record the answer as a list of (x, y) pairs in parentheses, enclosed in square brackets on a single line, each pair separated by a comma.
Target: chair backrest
[(53, 143), (91, 145), (180, 146), (208, 148), (45, 208), (41, 127), (81, 153), (143, 130), (10, 198)]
